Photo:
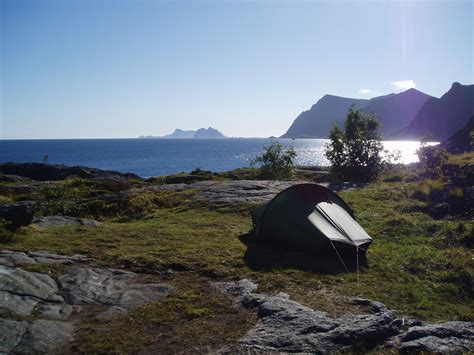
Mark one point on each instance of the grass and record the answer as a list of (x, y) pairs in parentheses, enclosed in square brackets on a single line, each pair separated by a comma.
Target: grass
[(461, 159), (411, 266), (418, 266), (196, 318)]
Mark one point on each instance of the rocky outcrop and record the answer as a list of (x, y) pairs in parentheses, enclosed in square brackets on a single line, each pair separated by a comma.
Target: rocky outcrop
[(49, 221), (17, 214), (109, 287), (288, 326), (437, 338), (245, 191), (49, 172), (39, 336), (24, 294)]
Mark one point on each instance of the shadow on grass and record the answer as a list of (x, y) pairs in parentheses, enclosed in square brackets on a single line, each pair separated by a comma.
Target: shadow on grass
[(269, 256)]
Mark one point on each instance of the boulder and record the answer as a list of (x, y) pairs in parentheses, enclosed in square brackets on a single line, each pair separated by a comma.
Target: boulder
[(49, 221), (17, 214)]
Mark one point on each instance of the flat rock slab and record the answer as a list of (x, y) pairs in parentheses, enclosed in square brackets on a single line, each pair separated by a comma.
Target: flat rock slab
[(228, 192), (110, 287), (50, 221), (24, 293), (39, 336), (437, 338), (244, 191), (19, 282), (16, 258), (288, 326)]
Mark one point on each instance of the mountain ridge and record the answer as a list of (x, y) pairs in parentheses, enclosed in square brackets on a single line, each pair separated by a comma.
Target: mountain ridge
[(442, 117), (394, 111)]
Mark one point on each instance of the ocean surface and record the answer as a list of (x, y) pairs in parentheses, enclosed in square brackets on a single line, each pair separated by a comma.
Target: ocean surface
[(155, 157)]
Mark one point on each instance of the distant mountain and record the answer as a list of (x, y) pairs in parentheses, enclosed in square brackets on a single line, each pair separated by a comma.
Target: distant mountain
[(200, 133), (179, 133), (461, 140), (442, 117), (318, 120), (208, 133), (394, 112)]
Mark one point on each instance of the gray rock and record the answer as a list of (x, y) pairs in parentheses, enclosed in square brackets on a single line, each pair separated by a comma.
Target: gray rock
[(439, 338), (17, 214), (49, 221), (56, 311), (237, 289), (10, 258), (287, 326), (11, 333), (110, 287), (44, 336), (17, 281), (226, 192), (45, 257), (16, 304)]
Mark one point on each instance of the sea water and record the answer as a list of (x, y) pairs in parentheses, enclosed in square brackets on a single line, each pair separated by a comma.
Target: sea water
[(155, 157)]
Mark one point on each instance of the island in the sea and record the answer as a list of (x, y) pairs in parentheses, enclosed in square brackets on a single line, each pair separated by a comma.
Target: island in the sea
[(200, 133)]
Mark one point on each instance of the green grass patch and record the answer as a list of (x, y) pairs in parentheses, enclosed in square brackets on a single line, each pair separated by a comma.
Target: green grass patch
[(416, 265), (196, 319)]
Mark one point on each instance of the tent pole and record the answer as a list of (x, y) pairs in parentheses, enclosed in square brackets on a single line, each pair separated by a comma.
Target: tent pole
[(342, 261), (357, 256)]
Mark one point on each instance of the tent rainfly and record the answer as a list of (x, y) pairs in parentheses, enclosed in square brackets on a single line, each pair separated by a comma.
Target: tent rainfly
[(310, 217)]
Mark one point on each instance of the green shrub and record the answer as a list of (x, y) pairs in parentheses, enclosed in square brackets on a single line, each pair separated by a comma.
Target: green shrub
[(6, 235), (356, 153), (431, 158), (276, 163), (426, 189), (5, 200)]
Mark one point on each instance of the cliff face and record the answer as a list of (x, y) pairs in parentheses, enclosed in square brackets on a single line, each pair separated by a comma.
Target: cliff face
[(442, 117), (394, 112), (317, 121), (397, 110), (461, 140)]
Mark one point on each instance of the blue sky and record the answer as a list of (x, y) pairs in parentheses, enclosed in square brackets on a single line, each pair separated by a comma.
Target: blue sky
[(105, 68)]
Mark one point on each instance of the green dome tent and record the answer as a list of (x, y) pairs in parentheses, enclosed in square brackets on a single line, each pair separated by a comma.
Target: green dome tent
[(310, 217)]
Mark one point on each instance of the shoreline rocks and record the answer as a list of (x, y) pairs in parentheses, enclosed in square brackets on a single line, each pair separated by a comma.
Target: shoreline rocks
[(52, 172), (288, 326)]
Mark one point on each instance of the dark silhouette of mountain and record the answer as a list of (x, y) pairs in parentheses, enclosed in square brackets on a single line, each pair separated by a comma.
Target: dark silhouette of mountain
[(461, 140), (394, 111), (441, 117), (179, 133), (318, 120), (208, 133)]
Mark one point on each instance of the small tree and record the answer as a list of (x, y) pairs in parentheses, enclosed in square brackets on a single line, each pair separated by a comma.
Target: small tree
[(275, 162), (356, 152), (431, 157)]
